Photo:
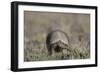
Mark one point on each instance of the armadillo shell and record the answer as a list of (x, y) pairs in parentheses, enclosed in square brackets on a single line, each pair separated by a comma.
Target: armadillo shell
[(56, 37)]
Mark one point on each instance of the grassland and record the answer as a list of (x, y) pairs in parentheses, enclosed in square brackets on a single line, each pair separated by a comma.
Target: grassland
[(37, 25)]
